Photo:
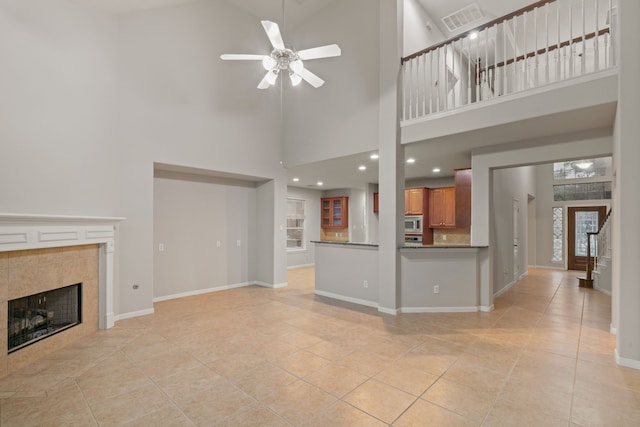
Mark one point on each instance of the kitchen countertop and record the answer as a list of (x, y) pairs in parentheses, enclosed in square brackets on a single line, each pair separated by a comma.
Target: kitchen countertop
[(374, 245), (406, 246), (410, 246)]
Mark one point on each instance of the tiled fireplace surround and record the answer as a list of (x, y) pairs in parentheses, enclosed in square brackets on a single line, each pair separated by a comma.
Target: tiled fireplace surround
[(39, 253)]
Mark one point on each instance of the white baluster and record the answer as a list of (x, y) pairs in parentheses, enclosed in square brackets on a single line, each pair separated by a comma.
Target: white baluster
[(505, 88), (546, 49), (583, 63), (404, 91), (596, 39), (571, 52), (445, 72)]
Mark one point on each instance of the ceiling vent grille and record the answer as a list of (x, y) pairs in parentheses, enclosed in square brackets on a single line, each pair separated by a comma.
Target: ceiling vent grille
[(463, 18)]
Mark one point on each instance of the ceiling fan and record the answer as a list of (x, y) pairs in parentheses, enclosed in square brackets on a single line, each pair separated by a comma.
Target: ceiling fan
[(282, 59)]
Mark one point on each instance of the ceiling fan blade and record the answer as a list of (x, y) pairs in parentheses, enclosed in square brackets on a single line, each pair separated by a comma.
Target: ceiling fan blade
[(311, 78), (320, 52), (273, 32), (241, 57)]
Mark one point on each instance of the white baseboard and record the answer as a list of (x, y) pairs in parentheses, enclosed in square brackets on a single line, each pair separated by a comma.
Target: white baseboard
[(548, 267), (612, 329), (505, 289), (523, 275), (271, 285), (438, 309), (391, 311), (132, 314), (604, 291), (347, 299), (293, 267), (485, 309), (202, 291), (629, 363)]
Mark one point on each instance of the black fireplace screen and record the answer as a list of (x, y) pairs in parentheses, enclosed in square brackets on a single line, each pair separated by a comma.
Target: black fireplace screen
[(41, 315)]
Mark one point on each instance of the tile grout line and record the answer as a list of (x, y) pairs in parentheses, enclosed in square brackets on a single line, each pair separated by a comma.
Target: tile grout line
[(575, 371), (484, 419)]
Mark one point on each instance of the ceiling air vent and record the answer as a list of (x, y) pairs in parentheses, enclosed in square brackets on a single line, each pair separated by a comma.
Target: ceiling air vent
[(464, 17)]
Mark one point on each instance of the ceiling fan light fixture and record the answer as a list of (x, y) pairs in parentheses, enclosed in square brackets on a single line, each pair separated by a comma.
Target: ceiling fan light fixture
[(295, 79), (272, 76), (269, 63), (297, 66)]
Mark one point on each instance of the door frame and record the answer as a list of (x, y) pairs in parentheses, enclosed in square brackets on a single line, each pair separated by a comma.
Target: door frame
[(580, 262)]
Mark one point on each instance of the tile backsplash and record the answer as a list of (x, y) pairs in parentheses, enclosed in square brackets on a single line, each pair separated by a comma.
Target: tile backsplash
[(451, 236)]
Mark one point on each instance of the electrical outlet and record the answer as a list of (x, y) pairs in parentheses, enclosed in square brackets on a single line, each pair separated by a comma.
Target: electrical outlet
[(366, 284), (217, 243), (161, 247), (444, 237), (238, 243), (436, 289)]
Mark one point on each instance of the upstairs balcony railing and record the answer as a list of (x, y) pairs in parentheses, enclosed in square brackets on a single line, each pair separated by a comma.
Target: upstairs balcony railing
[(546, 42)]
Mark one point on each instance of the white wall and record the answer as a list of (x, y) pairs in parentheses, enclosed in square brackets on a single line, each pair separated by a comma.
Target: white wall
[(191, 214), (311, 225), (509, 185), (339, 118), (58, 85), (417, 35), (181, 105)]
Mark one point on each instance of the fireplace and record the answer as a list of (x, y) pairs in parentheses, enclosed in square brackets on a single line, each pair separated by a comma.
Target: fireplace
[(40, 254), (36, 317)]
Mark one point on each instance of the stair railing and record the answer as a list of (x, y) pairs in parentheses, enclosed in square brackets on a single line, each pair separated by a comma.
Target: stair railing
[(602, 241), (545, 42)]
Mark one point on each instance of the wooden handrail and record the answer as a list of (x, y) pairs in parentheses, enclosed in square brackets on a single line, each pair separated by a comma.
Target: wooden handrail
[(549, 49), (601, 224), (489, 24)]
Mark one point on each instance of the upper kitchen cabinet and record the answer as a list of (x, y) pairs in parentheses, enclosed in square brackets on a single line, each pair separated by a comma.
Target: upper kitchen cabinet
[(334, 212), (442, 207), (463, 198), (415, 201)]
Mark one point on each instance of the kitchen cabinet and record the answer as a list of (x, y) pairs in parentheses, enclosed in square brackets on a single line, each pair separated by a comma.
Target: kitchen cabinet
[(414, 201), (334, 212), (442, 207), (463, 198)]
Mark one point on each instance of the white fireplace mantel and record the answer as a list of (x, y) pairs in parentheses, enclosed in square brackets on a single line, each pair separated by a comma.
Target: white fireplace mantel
[(27, 231)]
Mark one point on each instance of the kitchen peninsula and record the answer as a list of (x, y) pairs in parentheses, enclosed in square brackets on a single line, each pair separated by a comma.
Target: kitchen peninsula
[(433, 278)]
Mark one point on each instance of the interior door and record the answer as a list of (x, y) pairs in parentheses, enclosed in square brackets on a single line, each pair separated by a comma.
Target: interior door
[(580, 221)]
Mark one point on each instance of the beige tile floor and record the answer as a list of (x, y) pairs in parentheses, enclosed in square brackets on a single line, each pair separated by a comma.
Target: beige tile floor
[(263, 357)]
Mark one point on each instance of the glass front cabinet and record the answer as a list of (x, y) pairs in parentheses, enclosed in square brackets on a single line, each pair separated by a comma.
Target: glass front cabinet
[(334, 212)]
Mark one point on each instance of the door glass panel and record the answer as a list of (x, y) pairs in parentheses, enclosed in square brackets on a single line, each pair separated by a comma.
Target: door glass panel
[(585, 222)]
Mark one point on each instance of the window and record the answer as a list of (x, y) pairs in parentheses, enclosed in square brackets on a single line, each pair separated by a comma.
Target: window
[(295, 224), (588, 168), (558, 232), (582, 191)]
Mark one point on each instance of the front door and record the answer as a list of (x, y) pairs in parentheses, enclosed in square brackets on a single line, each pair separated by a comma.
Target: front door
[(582, 220)]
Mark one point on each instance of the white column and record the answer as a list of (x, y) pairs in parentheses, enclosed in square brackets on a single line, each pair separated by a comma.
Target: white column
[(626, 203), (391, 162)]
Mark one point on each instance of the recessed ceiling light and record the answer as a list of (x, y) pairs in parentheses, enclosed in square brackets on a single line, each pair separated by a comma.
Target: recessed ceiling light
[(296, 179), (320, 183), (436, 170), (411, 160), (375, 156), (362, 168)]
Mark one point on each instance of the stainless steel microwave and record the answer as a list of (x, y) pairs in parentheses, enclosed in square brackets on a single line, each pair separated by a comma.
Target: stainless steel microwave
[(413, 224)]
